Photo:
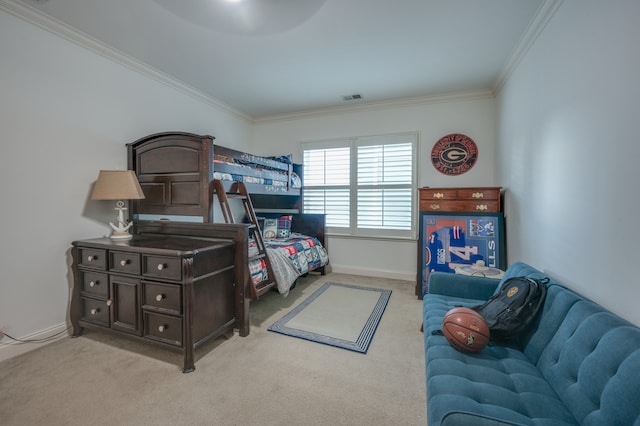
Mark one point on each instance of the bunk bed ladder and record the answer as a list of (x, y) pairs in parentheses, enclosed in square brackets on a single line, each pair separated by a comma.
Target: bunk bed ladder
[(239, 190)]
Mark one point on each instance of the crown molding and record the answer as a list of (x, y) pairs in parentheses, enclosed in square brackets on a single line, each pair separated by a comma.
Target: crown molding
[(41, 20), (372, 106), (544, 14), (56, 27)]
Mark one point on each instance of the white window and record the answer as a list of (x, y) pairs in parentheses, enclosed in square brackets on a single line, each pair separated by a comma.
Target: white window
[(364, 185)]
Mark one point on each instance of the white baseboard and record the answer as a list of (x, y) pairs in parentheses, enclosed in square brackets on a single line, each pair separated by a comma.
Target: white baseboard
[(10, 348), (371, 272)]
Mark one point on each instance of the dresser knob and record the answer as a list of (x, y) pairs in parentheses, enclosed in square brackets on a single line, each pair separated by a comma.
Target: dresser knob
[(91, 258), (481, 207), (93, 283), (95, 311), (162, 328), (161, 266), (434, 206), (438, 195), (109, 302), (124, 262), (160, 297), (477, 195)]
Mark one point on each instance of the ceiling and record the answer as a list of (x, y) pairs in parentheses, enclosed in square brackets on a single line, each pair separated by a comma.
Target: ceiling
[(266, 58)]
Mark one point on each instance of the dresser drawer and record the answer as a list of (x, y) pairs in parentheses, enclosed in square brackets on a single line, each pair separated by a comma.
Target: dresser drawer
[(163, 328), (95, 283), (167, 297), (96, 311), (438, 194), (162, 267), (481, 194), (122, 261), (459, 206), (92, 258)]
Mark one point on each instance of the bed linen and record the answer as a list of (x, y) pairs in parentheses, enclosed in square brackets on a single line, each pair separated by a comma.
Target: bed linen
[(290, 258), (234, 172)]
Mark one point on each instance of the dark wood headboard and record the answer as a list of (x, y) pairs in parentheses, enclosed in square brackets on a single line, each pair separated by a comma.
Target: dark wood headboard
[(174, 170)]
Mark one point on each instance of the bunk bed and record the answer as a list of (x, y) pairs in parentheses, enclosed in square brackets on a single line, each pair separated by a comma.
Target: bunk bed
[(177, 170)]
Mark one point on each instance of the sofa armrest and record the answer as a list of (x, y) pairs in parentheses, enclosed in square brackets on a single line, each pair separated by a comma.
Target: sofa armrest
[(462, 286)]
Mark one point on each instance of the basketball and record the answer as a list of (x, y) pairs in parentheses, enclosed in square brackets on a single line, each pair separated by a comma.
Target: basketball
[(465, 329)]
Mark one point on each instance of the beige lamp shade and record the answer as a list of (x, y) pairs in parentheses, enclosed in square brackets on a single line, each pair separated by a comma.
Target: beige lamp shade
[(117, 185)]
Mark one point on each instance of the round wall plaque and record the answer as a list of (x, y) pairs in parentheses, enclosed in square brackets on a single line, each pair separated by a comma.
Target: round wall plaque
[(454, 154)]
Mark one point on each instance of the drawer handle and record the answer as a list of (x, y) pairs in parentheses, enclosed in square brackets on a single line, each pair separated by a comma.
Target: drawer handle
[(91, 258), (95, 311), (162, 266), (124, 262), (477, 195), (481, 207), (162, 328), (94, 283), (160, 297), (434, 206), (438, 195)]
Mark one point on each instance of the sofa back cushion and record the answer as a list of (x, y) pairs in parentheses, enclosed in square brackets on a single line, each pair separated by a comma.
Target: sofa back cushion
[(519, 269), (590, 356), (592, 362)]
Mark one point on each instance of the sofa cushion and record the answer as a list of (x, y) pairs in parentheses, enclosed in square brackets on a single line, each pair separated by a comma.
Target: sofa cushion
[(498, 384), (434, 308)]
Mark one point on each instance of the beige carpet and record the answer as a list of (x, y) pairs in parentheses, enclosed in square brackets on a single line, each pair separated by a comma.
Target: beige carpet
[(263, 379)]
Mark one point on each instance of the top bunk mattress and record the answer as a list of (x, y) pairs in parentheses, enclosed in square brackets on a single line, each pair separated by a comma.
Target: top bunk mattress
[(231, 171)]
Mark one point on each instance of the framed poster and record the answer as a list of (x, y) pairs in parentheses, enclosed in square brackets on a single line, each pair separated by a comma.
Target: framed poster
[(450, 240)]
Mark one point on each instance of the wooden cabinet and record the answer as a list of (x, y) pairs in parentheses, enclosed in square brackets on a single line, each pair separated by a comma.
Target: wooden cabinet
[(478, 200), (171, 291), (458, 227)]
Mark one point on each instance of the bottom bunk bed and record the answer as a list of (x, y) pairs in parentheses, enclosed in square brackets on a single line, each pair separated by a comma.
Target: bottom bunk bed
[(278, 254), (290, 258)]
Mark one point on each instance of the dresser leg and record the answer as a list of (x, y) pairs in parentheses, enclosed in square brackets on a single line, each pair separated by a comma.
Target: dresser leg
[(188, 367), (75, 307), (189, 361)]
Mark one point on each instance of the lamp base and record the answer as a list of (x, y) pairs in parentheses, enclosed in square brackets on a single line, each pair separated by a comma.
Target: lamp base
[(119, 235), (121, 231)]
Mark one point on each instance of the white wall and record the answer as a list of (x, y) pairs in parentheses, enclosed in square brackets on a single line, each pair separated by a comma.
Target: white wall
[(569, 148), (473, 114), (66, 113)]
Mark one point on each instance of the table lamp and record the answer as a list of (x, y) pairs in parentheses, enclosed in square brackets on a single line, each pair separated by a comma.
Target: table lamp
[(118, 185)]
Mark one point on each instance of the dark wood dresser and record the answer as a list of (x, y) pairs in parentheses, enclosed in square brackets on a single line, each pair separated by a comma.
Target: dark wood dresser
[(174, 292)]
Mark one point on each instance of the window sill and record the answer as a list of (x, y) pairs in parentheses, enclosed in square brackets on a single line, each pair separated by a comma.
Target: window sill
[(372, 238)]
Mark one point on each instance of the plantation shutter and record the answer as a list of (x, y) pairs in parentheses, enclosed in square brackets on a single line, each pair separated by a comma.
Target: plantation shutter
[(364, 185), (326, 180), (384, 186)]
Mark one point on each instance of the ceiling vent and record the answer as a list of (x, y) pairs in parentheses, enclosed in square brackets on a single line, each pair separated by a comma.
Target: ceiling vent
[(352, 97)]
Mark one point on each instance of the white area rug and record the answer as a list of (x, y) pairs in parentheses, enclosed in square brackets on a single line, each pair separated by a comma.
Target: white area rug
[(341, 315)]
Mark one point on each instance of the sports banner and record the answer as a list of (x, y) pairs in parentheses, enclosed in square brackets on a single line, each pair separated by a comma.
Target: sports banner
[(448, 241)]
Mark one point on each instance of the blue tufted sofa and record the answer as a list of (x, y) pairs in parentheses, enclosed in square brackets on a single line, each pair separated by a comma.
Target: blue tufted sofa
[(579, 364)]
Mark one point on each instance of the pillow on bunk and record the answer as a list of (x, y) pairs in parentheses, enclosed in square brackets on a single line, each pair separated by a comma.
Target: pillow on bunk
[(284, 227), (288, 159), (277, 228)]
